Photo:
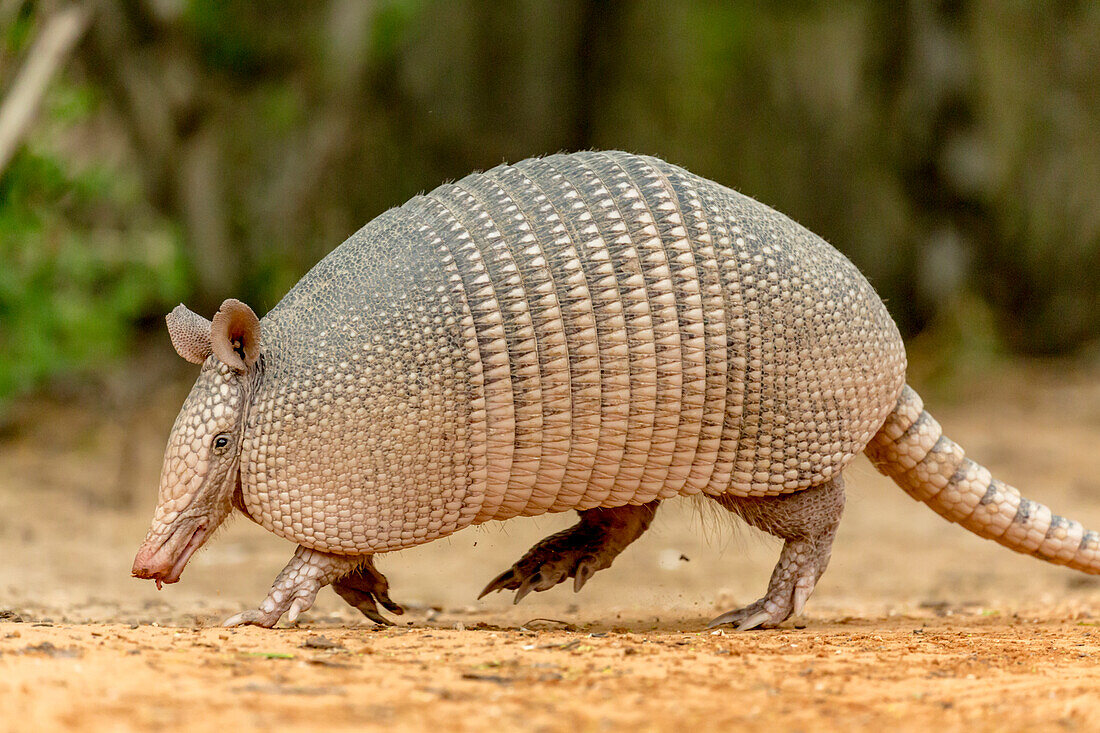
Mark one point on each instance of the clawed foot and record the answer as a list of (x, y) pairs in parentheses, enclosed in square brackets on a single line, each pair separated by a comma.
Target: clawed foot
[(590, 545), (365, 588), (275, 606), (784, 599), (542, 568), (753, 616), (296, 587)]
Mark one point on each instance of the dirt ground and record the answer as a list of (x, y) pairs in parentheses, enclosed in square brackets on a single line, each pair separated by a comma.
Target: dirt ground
[(916, 624)]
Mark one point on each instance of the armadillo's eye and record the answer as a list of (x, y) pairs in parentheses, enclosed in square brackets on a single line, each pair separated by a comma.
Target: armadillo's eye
[(221, 442)]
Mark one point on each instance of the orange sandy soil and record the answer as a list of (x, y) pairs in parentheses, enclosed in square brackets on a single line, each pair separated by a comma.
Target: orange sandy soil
[(917, 624)]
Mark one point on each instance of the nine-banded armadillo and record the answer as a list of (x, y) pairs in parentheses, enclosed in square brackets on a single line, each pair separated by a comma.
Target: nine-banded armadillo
[(598, 332)]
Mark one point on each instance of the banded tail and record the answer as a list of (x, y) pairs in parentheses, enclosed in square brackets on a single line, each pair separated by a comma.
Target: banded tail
[(911, 448)]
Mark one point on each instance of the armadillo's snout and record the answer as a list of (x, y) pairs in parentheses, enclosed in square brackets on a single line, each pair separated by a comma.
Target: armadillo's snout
[(164, 560)]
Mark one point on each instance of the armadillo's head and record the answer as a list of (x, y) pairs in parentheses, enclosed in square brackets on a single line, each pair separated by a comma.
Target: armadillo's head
[(202, 461)]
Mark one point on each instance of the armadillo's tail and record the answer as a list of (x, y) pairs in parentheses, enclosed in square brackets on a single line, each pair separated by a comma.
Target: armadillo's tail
[(912, 449)]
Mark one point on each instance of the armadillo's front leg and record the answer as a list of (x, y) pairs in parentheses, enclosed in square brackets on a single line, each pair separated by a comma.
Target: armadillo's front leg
[(807, 523), (578, 552), (296, 587)]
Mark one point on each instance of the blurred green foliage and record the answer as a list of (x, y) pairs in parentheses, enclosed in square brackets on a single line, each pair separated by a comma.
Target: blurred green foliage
[(201, 149), (77, 276)]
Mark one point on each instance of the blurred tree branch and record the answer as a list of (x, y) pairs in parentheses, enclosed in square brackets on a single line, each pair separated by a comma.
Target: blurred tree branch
[(62, 31)]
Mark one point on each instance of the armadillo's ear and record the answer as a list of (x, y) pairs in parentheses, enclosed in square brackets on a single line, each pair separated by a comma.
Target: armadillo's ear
[(235, 335), (190, 334)]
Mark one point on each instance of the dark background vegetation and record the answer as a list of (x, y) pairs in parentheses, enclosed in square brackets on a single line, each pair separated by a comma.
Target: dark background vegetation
[(199, 149)]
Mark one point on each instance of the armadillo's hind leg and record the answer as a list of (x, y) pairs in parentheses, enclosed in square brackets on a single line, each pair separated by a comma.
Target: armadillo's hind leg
[(578, 552), (365, 588), (296, 587), (806, 522)]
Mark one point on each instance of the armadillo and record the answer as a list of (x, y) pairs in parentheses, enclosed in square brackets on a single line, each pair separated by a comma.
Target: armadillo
[(593, 332)]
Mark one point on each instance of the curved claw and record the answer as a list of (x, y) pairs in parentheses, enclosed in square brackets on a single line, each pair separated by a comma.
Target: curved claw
[(761, 614), (743, 621), (384, 598), (529, 584), (254, 617), (586, 568), (237, 619), (717, 621), (757, 619), (367, 607), (376, 617), (296, 609), (505, 581)]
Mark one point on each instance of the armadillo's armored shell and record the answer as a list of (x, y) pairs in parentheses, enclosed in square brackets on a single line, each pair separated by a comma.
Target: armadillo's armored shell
[(581, 330)]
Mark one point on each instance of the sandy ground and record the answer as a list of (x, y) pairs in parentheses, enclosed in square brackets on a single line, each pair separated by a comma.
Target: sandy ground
[(916, 624)]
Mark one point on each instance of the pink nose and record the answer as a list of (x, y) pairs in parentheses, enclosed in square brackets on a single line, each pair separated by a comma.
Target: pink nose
[(148, 565)]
